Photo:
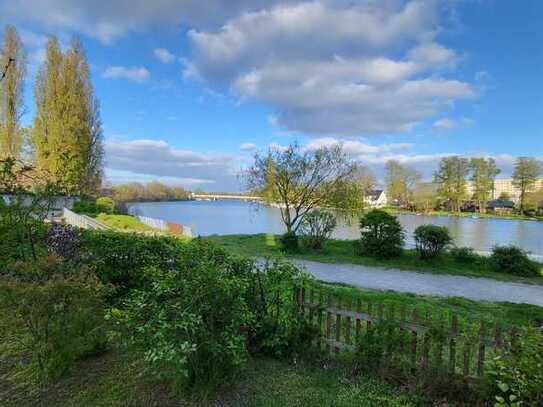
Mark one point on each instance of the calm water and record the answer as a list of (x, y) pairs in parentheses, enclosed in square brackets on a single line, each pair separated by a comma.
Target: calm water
[(237, 217)]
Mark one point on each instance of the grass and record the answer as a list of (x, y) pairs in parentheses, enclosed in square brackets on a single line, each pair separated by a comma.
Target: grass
[(344, 251), (123, 222)]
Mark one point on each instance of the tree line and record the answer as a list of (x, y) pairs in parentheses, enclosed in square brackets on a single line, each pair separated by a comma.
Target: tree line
[(450, 181), (65, 142), (153, 191)]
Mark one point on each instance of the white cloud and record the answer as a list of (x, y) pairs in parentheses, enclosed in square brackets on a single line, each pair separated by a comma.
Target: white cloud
[(136, 74), (164, 55), (332, 67), (154, 159), (247, 146), (444, 124)]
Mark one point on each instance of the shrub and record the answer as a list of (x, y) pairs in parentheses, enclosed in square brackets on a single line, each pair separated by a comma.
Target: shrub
[(516, 373), (58, 312), (86, 207), (464, 255), (289, 242), (431, 240), (63, 241), (512, 260), (381, 234), (316, 228), (188, 324), (279, 328), (105, 204), (122, 257)]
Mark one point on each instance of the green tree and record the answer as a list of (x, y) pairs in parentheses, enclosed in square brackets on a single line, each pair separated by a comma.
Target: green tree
[(13, 65), (525, 175), (484, 171), (451, 178), (352, 191), (400, 181), (302, 180), (425, 196), (67, 133)]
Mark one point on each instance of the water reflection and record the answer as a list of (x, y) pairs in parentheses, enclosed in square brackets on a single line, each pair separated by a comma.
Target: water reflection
[(236, 217)]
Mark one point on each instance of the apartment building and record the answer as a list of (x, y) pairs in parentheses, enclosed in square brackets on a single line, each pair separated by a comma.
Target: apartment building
[(504, 185)]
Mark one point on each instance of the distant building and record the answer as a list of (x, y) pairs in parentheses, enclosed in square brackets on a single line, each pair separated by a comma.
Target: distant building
[(504, 186), (500, 205), (376, 198)]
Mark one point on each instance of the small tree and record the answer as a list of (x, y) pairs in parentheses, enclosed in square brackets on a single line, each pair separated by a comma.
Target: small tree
[(316, 228), (484, 172), (299, 180), (431, 240), (451, 178), (381, 234)]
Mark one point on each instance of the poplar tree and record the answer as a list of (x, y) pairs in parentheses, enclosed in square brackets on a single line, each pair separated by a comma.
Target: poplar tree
[(67, 127), (400, 180), (13, 65)]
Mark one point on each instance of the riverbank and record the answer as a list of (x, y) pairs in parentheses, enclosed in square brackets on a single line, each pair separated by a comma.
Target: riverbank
[(344, 252), (472, 215)]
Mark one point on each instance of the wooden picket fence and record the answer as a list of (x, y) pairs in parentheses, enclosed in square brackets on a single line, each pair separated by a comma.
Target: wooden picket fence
[(433, 343)]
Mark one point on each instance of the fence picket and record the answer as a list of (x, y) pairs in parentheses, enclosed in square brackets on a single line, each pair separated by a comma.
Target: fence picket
[(338, 322), (414, 341), (482, 348), (357, 329), (452, 345), (329, 323), (349, 322)]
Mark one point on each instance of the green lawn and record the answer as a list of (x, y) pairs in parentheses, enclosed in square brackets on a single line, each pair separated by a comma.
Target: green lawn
[(344, 251), (123, 222)]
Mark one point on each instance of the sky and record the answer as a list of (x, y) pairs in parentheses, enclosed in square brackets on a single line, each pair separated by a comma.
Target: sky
[(191, 89)]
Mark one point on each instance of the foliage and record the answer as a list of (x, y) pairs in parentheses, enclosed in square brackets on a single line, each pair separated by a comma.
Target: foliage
[(289, 242), (106, 204), (464, 255), (300, 180), (513, 260), (123, 257), (431, 240), (451, 177), (67, 131), (400, 181), (425, 196), (316, 228), (351, 192), (516, 373), (11, 93), (279, 328), (63, 241), (59, 310), (124, 222), (484, 171), (153, 191), (526, 172), (188, 323), (382, 235)]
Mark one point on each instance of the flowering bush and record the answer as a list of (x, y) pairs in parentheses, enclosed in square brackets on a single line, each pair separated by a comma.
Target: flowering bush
[(63, 241)]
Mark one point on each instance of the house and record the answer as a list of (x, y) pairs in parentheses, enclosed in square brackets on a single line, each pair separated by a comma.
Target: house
[(500, 206), (376, 198)]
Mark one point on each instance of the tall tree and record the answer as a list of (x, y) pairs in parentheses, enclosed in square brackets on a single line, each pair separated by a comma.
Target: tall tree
[(302, 180), (351, 192), (13, 68), (400, 181), (67, 130), (484, 171), (525, 175), (451, 178)]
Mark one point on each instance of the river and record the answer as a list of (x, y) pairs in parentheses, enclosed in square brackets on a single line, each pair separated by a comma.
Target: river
[(225, 217)]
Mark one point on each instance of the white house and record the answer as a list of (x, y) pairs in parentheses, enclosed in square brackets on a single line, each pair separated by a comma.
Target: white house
[(376, 198)]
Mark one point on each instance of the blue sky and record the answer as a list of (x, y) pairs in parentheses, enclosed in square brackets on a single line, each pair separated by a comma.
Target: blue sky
[(189, 89)]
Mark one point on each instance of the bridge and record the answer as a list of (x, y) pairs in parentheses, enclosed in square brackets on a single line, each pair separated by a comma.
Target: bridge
[(215, 197)]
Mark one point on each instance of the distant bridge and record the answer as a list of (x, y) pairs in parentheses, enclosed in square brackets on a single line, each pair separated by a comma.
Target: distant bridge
[(215, 197)]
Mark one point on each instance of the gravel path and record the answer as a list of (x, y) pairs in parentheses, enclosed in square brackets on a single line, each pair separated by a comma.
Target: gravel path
[(426, 284)]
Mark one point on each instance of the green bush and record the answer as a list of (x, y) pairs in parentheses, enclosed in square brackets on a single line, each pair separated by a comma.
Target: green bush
[(316, 228), (189, 324), (122, 257), (279, 328), (381, 235), (57, 310), (516, 373), (464, 255), (431, 240), (105, 204), (513, 260), (289, 242)]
